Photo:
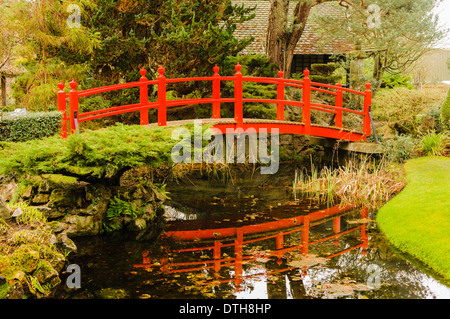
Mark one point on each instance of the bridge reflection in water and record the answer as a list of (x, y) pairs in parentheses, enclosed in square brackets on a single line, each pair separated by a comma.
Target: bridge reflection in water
[(289, 238)]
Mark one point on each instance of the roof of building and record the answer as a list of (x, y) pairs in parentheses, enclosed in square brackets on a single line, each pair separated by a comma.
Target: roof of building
[(9, 69), (309, 43)]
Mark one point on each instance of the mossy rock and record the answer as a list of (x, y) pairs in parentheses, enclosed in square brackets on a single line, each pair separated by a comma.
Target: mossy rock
[(26, 257)]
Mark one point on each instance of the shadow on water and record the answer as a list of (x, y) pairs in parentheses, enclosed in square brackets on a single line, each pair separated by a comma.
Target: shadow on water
[(251, 242)]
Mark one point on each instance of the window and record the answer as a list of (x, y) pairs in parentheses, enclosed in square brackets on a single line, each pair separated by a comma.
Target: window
[(302, 61)]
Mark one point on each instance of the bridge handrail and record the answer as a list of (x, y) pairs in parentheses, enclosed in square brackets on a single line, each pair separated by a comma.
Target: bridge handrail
[(74, 117)]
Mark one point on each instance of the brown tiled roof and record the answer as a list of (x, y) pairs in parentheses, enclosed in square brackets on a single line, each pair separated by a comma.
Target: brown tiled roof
[(309, 43)]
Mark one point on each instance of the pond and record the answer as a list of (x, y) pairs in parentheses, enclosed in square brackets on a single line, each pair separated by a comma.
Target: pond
[(251, 240)]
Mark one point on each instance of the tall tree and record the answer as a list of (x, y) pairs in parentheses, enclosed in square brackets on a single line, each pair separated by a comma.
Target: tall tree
[(394, 33), (284, 32), (397, 31), (187, 37), (41, 27)]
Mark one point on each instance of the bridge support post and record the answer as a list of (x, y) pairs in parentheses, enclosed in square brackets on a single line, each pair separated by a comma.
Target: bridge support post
[(306, 112), (143, 97), (73, 105), (162, 112), (216, 93), (62, 107), (280, 96), (338, 104), (367, 104), (238, 112)]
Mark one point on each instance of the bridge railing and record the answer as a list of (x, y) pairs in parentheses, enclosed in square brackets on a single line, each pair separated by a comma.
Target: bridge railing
[(74, 117)]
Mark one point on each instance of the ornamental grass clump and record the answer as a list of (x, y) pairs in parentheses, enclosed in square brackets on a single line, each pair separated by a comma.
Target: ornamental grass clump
[(357, 183)]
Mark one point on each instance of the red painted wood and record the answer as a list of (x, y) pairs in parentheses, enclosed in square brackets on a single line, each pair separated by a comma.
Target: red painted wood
[(216, 93), (306, 111), (306, 127), (280, 97), (62, 107), (338, 103), (367, 104), (73, 105), (238, 106), (162, 112), (143, 96)]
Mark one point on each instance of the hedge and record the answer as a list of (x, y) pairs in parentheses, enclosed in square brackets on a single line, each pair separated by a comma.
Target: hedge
[(445, 112), (36, 125)]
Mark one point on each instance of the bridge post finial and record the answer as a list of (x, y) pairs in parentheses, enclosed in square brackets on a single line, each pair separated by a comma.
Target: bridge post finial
[(143, 73), (216, 69), (306, 72), (238, 68), (280, 74), (73, 85), (161, 70)]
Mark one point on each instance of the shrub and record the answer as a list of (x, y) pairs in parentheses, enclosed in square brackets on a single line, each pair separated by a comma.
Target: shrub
[(399, 149), (445, 112), (400, 107), (396, 80), (434, 144), (31, 126)]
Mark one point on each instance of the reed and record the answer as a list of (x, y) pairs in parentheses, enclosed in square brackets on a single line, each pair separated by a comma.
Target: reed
[(362, 182)]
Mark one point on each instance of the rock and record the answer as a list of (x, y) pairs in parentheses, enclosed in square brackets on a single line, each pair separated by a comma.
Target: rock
[(2, 280), (66, 243), (5, 212), (17, 212), (28, 192), (77, 225), (45, 272), (137, 225), (40, 199)]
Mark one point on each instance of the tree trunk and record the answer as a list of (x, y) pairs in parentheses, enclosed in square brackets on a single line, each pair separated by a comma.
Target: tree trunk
[(3, 89), (282, 38), (379, 66)]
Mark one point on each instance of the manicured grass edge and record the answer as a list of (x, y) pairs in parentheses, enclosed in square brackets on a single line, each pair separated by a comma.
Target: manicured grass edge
[(417, 221)]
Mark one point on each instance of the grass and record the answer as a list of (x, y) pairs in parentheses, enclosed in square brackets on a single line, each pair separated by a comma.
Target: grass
[(417, 221), (363, 183)]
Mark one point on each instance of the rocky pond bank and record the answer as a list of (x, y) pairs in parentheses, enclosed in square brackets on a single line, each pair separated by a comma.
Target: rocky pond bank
[(39, 216)]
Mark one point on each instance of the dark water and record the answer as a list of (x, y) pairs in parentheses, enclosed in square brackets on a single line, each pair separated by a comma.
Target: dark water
[(256, 242)]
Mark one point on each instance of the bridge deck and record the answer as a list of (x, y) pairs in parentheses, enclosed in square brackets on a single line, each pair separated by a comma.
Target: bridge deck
[(284, 127)]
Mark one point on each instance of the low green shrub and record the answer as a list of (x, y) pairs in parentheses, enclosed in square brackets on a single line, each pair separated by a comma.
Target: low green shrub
[(21, 128), (399, 149), (434, 144), (445, 112)]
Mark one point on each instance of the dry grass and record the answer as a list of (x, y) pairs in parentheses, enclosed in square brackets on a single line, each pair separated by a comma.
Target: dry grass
[(359, 183)]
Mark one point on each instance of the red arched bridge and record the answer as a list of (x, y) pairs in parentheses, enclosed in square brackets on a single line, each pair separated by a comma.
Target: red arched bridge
[(336, 131)]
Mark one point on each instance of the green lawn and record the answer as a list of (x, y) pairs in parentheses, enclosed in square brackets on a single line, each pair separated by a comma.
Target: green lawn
[(417, 220)]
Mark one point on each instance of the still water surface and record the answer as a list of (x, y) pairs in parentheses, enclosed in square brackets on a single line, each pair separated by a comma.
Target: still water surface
[(247, 241)]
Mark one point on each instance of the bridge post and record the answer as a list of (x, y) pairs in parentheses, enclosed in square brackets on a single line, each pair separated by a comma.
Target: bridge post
[(162, 115), (143, 96), (338, 104), (367, 105), (216, 93), (238, 112), (280, 96), (306, 112), (73, 105), (62, 107)]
